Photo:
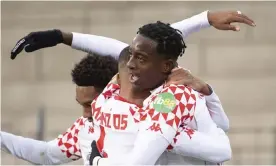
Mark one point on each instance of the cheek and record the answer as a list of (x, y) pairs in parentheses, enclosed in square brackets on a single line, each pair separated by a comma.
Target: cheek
[(151, 74)]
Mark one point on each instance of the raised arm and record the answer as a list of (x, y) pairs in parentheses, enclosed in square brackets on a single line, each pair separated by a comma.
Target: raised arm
[(42, 39), (192, 24), (40, 152)]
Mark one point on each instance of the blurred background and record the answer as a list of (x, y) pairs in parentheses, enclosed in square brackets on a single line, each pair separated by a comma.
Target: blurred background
[(38, 97)]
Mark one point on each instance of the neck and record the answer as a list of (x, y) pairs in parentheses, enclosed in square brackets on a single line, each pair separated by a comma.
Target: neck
[(134, 96)]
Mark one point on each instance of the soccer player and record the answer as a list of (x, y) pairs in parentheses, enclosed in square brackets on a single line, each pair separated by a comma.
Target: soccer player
[(90, 75), (142, 132), (26, 48), (202, 147)]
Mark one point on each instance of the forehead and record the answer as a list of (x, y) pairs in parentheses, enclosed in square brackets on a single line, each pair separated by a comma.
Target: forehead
[(145, 44)]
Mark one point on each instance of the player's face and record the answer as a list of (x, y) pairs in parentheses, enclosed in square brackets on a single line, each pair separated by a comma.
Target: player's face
[(84, 96), (146, 68)]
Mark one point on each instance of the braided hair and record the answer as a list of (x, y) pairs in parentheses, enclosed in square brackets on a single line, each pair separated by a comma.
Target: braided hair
[(170, 43)]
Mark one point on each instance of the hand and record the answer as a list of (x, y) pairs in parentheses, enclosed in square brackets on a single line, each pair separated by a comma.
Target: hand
[(222, 20), (37, 40), (94, 152), (180, 76)]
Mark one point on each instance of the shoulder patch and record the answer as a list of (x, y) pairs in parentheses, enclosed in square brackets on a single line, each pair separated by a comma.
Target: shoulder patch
[(164, 102)]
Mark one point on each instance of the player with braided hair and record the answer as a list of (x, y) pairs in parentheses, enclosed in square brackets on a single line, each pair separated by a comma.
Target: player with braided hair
[(163, 33), (147, 117), (164, 45)]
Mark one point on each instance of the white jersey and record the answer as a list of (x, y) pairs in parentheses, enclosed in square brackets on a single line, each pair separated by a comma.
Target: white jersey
[(122, 120), (70, 146)]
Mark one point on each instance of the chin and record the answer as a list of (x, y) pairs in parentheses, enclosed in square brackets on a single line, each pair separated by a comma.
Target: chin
[(136, 87)]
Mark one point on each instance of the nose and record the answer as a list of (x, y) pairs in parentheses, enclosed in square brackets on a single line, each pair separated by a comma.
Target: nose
[(131, 63)]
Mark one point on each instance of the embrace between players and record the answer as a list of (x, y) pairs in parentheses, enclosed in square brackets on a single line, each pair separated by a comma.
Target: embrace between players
[(151, 112)]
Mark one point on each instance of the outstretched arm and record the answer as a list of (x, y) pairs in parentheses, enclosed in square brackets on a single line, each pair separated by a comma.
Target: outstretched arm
[(33, 151), (41, 152), (42, 39), (108, 46)]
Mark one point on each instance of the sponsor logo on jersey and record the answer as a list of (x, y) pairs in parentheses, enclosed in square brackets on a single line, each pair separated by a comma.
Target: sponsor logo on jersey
[(164, 102)]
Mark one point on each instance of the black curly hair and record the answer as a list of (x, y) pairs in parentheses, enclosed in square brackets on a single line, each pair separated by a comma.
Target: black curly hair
[(170, 43), (94, 70)]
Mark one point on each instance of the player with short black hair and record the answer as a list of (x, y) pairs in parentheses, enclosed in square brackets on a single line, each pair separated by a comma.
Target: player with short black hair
[(90, 75), (150, 115), (94, 70)]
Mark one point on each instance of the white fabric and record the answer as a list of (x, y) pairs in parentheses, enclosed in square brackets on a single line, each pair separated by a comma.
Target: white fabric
[(72, 145), (208, 143), (108, 46), (217, 112), (146, 146), (33, 151)]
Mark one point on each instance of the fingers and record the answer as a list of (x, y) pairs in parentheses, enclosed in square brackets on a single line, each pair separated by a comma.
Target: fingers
[(242, 15), (18, 48), (241, 18), (230, 27), (32, 47), (247, 18)]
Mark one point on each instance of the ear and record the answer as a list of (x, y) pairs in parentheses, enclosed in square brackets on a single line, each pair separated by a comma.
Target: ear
[(168, 65)]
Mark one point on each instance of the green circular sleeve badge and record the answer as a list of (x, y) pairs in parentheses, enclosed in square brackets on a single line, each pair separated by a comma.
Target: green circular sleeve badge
[(164, 102)]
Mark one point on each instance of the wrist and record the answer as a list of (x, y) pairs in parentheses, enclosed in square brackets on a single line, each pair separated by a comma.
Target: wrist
[(67, 38), (210, 17), (207, 90)]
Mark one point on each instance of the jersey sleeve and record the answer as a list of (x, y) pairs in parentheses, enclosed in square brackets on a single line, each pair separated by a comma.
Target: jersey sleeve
[(192, 24), (61, 150), (98, 44), (174, 106), (217, 112), (214, 148)]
